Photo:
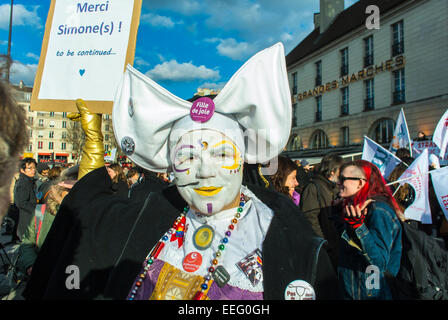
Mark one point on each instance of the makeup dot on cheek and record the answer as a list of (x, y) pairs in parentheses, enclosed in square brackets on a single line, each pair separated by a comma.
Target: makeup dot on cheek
[(209, 208)]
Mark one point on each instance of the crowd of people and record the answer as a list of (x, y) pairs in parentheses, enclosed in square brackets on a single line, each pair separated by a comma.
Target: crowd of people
[(215, 227)]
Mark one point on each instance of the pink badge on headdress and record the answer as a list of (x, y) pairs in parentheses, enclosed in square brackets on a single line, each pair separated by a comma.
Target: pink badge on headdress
[(202, 109)]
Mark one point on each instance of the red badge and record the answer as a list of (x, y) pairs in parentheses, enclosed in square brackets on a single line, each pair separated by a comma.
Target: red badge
[(192, 262)]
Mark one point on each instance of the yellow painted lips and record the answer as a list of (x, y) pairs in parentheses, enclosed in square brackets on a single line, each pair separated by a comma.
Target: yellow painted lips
[(208, 191)]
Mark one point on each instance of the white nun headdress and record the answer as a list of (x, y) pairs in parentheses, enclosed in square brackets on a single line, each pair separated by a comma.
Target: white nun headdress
[(255, 105)]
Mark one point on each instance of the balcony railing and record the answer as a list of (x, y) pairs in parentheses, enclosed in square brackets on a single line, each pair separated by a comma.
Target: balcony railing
[(397, 48), (318, 117), (368, 60), (399, 97), (344, 110), (369, 104)]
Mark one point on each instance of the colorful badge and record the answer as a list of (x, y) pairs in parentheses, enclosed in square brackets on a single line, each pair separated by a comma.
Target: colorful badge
[(251, 266), (203, 237), (127, 145), (299, 290), (221, 276), (202, 109), (192, 262)]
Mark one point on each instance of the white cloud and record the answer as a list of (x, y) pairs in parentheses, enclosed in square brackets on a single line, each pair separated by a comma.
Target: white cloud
[(140, 62), (175, 71), (234, 49), (158, 21), (186, 7), (24, 72), (22, 16), (32, 56), (259, 23)]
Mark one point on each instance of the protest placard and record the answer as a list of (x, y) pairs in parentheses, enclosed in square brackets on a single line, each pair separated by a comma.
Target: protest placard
[(419, 146), (85, 49)]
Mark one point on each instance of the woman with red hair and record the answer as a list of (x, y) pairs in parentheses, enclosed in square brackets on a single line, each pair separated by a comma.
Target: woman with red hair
[(371, 242)]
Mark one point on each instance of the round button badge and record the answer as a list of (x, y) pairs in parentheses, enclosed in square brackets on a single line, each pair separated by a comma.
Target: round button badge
[(192, 262), (202, 109), (299, 290), (203, 237)]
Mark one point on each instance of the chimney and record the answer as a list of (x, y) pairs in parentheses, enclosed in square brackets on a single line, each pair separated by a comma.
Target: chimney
[(329, 9), (316, 20)]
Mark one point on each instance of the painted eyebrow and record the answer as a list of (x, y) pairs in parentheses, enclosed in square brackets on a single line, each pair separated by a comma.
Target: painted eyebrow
[(235, 156), (183, 147), (177, 150)]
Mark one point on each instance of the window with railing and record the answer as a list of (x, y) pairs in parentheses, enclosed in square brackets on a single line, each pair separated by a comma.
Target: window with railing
[(294, 83), (344, 101), (345, 136), (344, 62), (368, 51), (399, 87), (63, 146), (50, 145), (41, 122), (51, 134), (369, 101), (318, 73), (397, 38), (40, 145), (318, 116), (294, 115)]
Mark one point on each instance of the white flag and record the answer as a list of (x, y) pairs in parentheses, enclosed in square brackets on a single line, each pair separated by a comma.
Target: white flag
[(379, 156), (440, 136), (440, 183), (401, 138), (417, 177)]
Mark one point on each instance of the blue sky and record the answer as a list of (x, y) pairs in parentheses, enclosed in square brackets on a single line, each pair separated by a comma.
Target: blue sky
[(181, 44)]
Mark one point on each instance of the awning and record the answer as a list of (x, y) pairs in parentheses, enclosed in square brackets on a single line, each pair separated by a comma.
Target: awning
[(62, 154), (44, 154)]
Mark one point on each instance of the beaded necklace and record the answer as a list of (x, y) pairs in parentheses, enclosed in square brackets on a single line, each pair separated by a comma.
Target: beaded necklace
[(177, 231)]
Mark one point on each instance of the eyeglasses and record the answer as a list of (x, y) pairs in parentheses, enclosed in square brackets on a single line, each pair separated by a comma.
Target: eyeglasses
[(342, 179)]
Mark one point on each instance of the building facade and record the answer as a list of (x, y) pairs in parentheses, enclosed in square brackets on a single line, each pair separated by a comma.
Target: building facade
[(54, 138), (349, 81)]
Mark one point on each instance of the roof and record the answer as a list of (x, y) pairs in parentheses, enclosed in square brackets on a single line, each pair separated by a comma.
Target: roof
[(348, 20)]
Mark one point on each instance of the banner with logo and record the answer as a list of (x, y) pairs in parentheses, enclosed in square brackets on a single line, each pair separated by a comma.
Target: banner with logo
[(440, 182), (401, 137), (419, 146), (416, 175), (440, 136), (85, 50), (385, 160)]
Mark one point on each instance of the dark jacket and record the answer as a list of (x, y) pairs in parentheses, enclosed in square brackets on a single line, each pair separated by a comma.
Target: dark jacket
[(25, 199), (108, 238), (317, 204)]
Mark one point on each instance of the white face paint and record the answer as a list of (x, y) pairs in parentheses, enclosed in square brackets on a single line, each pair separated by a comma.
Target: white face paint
[(208, 169)]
